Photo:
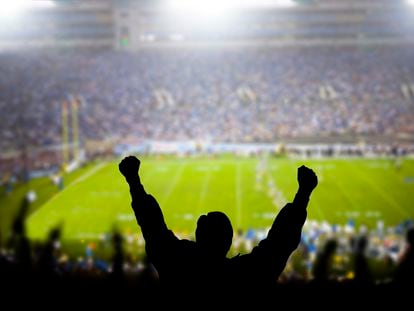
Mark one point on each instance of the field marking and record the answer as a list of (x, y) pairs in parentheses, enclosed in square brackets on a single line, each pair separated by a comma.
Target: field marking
[(126, 217), (88, 174), (148, 177), (345, 194), (81, 178), (238, 195), (378, 190), (272, 191), (265, 215), (203, 192), (173, 184), (279, 199), (185, 216)]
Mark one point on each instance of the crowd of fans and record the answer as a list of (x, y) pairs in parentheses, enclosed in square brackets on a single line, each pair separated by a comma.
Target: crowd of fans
[(230, 94), (251, 94), (328, 255)]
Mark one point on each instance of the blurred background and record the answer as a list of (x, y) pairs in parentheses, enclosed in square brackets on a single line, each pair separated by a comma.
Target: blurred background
[(222, 101)]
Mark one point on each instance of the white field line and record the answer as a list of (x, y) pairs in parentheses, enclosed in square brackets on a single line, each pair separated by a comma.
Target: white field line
[(238, 196), (381, 192), (173, 184), (203, 192), (81, 178)]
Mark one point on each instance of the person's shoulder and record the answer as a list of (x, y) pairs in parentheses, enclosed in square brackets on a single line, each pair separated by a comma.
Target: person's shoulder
[(240, 260), (186, 245), (186, 242)]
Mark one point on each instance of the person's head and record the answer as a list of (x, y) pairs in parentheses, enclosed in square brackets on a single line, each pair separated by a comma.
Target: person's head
[(410, 236), (362, 244), (214, 233), (330, 246)]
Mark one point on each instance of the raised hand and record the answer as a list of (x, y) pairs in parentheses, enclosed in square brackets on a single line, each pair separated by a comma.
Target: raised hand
[(129, 167), (307, 179)]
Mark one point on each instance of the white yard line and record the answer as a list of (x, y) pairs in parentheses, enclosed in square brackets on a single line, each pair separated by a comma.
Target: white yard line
[(238, 196), (173, 184), (345, 194), (381, 192), (81, 178), (203, 192), (88, 174), (281, 199)]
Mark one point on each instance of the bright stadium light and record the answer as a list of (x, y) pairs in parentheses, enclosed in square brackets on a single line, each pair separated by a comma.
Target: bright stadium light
[(11, 8), (282, 3), (208, 9), (220, 8), (410, 2), (15, 7)]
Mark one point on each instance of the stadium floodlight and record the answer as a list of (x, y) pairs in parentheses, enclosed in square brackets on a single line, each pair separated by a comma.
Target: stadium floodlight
[(282, 3), (207, 9), (219, 8), (15, 7)]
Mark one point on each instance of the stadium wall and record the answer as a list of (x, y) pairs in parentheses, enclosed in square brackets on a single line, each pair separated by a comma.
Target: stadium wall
[(277, 149)]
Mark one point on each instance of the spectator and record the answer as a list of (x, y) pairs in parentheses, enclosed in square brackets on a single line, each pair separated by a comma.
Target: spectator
[(201, 268)]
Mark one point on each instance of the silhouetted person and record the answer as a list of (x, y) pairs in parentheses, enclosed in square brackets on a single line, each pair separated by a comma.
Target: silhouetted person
[(47, 264), (118, 258), (323, 262), (363, 275), (404, 274), (201, 269), (19, 240)]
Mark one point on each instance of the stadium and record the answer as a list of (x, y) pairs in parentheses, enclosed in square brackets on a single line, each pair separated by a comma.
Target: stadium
[(221, 101)]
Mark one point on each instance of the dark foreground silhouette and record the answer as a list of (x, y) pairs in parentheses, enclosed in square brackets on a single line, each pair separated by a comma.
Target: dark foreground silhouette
[(200, 269), (404, 274), (198, 275)]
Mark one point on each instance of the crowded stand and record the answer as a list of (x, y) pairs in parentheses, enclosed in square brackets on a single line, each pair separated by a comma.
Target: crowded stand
[(116, 79), (231, 95)]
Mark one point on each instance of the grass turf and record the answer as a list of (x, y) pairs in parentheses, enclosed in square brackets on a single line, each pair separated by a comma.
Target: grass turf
[(97, 199)]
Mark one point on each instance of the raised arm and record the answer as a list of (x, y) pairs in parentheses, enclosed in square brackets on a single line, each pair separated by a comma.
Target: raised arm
[(284, 236), (147, 211)]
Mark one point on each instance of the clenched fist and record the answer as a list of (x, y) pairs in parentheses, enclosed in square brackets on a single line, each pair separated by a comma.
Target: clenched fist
[(307, 179), (129, 167)]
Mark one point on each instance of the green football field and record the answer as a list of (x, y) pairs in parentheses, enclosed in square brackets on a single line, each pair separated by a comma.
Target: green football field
[(250, 190)]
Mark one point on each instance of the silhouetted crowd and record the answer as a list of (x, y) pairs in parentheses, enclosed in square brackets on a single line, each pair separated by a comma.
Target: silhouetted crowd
[(346, 261), (248, 95)]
